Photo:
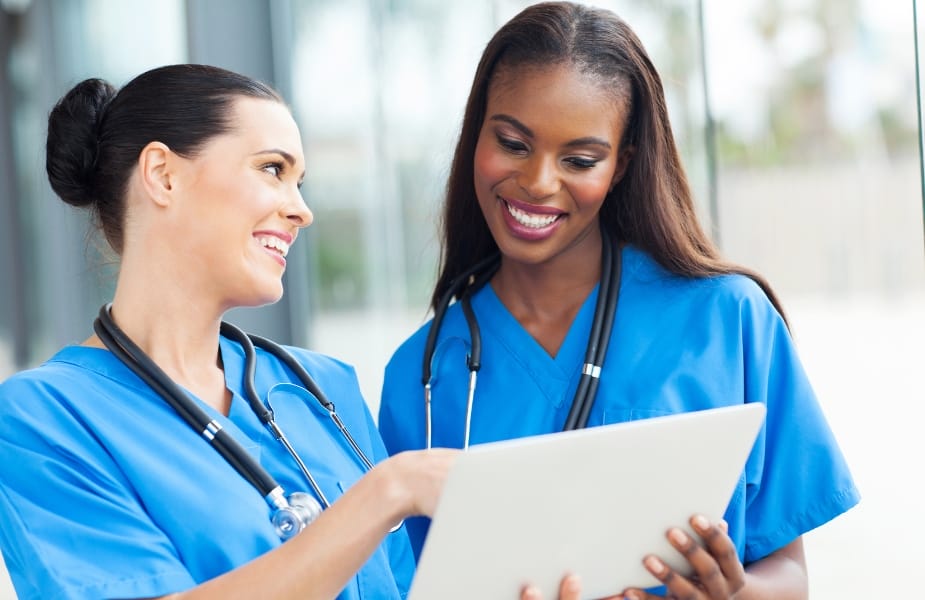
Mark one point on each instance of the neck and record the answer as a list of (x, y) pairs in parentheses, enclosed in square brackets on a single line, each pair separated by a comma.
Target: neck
[(545, 297), (178, 329), (177, 335), (551, 287)]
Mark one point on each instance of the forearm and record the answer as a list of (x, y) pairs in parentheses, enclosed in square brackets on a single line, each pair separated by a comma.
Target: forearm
[(779, 576), (318, 562)]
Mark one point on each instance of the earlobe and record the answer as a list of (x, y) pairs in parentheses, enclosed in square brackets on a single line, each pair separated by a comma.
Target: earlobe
[(155, 170), (623, 162)]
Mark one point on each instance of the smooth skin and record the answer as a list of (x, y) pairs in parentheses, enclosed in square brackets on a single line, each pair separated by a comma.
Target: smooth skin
[(550, 148)]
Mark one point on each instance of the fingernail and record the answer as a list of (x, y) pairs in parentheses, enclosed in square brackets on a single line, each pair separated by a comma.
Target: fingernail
[(572, 583), (531, 593), (654, 564), (700, 522), (677, 536)]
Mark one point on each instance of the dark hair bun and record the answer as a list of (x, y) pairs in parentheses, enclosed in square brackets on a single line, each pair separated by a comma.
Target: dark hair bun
[(73, 140)]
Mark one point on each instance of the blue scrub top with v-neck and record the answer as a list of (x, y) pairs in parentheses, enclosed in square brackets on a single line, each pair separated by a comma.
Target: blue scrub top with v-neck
[(678, 345), (106, 493)]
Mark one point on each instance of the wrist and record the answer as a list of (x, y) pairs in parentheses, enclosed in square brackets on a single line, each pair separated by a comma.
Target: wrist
[(392, 492)]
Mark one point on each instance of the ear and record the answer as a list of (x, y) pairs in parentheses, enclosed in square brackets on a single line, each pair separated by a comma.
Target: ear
[(623, 161), (155, 169)]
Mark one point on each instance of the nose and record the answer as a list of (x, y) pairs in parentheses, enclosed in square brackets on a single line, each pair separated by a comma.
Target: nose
[(297, 211), (539, 177)]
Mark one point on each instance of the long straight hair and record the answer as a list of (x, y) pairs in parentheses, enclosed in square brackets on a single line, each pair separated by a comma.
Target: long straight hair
[(651, 207)]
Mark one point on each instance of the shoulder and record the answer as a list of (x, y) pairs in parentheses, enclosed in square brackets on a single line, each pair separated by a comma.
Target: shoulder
[(59, 403), (319, 362), (68, 370), (726, 295), (410, 351), (327, 371)]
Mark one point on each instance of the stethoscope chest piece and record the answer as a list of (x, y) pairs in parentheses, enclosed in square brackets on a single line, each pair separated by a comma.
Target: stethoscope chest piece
[(301, 511)]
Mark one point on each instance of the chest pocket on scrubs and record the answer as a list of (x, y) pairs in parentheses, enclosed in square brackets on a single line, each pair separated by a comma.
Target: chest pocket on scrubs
[(609, 416)]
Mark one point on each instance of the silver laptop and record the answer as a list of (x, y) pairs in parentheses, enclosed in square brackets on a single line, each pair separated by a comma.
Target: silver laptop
[(592, 502)]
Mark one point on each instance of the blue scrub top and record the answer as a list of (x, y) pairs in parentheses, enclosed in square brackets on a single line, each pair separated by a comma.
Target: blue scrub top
[(106, 493), (678, 345)]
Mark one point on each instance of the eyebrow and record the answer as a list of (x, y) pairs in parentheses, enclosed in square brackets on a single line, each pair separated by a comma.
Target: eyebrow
[(582, 141), (286, 156)]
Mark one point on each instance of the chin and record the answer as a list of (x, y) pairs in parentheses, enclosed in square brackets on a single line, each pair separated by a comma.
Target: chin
[(262, 295), (272, 298)]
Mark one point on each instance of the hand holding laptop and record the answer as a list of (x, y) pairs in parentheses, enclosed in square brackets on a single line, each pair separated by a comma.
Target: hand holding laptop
[(530, 510), (717, 570)]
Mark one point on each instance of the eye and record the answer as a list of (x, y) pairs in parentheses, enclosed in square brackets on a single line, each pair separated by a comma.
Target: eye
[(511, 145), (581, 162), (273, 168)]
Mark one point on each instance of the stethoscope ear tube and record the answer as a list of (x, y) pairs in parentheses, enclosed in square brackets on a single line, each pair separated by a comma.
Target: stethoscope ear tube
[(461, 287), (263, 412), (296, 367), (487, 267)]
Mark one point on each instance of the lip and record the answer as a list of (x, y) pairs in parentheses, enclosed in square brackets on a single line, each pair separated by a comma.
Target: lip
[(521, 231), (532, 208), (283, 236)]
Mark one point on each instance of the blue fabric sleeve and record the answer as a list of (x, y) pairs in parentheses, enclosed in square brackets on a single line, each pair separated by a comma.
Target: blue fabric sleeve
[(71, 527), (797, 476)]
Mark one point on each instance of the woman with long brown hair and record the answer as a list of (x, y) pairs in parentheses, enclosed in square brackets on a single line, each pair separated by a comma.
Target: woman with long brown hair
[(588, 293)]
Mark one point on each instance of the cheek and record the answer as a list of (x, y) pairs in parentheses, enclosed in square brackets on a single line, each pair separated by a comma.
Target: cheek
[(489, 164), (592, 190)]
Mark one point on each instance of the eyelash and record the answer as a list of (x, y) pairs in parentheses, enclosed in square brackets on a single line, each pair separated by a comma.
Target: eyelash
[(511, 145), (274, 165), (582, 163), (519, 148)]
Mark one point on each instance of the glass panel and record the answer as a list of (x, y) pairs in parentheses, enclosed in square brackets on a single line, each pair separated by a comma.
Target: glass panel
[(90, 39), (819, 188), (919, 25)]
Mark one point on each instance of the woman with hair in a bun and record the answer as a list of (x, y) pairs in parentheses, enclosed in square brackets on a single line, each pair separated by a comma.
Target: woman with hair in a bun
[(193, 173)]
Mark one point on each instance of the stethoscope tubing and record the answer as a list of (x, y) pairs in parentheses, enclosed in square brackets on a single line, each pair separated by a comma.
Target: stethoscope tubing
[(296, 367), (487, 267), (230, 449), (613, 294), (147, 370), (601, 326), (264, 411), (470, 281)]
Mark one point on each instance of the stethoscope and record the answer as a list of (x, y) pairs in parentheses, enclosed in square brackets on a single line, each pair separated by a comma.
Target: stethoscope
[(469, 282), (290, 514)]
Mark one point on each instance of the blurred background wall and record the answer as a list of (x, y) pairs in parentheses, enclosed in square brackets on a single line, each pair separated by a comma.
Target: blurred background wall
[(798, 124)]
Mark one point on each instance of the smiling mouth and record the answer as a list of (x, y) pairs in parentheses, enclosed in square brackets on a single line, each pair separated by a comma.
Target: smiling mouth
[(530, 220), (274, 243)]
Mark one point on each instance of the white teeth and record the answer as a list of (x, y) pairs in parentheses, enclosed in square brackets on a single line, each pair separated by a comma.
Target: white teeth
[(529, 220), (268, 241)]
